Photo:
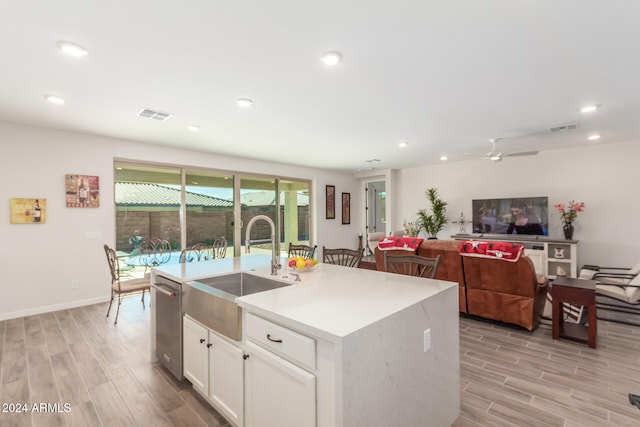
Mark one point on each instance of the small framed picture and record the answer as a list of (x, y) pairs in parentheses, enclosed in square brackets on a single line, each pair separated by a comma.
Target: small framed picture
[(346, 208), (82, 191), (28, 211), (330, 203)]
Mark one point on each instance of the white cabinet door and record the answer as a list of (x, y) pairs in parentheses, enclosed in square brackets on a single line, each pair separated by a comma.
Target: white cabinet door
[(227, 378), (196, 355), (277, 393), (539, 260)]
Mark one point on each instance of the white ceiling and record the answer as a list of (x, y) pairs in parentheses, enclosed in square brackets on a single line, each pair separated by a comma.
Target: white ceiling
[(446, 76)]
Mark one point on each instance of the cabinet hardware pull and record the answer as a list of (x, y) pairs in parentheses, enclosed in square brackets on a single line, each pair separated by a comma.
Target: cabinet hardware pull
[(245, 356), (201, 340), (271, 339), (209, 345)]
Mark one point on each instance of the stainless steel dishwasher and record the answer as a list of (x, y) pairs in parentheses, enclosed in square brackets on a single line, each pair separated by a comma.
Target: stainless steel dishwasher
[(169, 324)]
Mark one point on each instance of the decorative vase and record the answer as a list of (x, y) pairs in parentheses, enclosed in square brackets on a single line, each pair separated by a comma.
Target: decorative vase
[(568, 231)]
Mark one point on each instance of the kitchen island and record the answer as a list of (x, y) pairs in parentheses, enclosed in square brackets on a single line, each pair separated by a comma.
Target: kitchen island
[(361, 347)]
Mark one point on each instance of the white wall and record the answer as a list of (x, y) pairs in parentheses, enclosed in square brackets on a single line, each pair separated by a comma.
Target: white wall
[(39, 261), (605, 177)]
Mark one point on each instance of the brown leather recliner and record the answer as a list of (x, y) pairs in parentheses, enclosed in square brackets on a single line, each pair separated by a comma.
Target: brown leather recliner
[(509, 292), (450, 266)]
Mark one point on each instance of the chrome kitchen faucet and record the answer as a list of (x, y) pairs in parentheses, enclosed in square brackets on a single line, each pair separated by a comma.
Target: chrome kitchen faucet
[(274, 258)]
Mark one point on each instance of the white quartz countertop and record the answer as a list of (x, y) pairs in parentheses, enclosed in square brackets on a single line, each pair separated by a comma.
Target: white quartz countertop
[(330, 301)]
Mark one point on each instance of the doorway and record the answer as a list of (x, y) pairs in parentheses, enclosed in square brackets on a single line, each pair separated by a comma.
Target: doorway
[(376, 207)]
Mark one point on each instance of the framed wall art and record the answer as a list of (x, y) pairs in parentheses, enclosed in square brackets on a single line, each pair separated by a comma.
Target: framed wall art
[(330, 203), (82, 191), (346, 208), (28, 211)]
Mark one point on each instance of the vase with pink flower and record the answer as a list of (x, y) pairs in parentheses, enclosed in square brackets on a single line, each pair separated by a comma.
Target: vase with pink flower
[(569, 214)]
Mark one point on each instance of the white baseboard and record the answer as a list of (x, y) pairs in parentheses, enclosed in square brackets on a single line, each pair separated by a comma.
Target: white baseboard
[(50, 308)]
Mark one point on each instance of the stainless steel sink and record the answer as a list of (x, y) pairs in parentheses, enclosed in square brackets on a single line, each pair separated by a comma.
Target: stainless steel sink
[(212, 301)]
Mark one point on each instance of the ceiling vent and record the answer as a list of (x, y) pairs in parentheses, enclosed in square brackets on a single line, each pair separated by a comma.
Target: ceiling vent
[(155, 115), (565, 127)]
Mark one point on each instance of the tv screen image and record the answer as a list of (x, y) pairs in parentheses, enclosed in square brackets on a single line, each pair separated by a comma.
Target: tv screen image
[(516, 215)]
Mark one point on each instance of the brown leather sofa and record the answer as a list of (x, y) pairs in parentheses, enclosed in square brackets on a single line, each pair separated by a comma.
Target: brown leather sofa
[(449, 267), (509, 292)]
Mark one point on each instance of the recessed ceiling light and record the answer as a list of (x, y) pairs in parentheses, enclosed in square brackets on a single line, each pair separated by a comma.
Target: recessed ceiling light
[(443, 158), (589, 108), (72, 49), (403, 144), (331, 58), (594, 137), (54, 99), (244, 102), (193, 128)]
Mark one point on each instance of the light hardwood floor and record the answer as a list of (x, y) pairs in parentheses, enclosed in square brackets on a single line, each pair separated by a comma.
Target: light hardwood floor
[(509, 377)]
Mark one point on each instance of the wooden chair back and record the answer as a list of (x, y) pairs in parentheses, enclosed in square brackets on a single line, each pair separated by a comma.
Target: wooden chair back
[(341, 256), (304, 251), (412, 265)]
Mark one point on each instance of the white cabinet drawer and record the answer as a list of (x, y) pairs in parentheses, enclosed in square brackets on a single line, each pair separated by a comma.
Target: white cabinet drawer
[(281, 340)]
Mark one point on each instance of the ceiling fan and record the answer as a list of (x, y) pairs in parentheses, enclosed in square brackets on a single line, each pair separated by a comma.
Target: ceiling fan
[(496, 156)]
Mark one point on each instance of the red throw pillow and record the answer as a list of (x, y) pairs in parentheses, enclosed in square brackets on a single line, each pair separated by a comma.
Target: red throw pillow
[(498, 250), (399, 243)]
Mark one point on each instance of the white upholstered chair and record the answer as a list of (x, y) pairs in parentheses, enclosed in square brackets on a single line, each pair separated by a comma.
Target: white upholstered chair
[(617, 290), (372, 241)]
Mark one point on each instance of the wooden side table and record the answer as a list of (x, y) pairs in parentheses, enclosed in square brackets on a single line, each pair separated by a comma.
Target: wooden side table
[(575, 292)]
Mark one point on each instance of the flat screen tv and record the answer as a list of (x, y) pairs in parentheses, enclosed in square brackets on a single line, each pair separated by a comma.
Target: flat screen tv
[(516, 215)]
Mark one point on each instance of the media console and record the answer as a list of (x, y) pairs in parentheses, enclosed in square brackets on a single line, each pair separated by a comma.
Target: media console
[(551, 257)]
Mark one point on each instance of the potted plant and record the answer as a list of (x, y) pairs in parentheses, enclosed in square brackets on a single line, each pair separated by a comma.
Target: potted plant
[(568, 215), (411, 228), (435, 220)]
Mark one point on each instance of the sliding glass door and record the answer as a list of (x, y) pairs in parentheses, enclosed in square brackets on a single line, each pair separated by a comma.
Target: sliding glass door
[(189, 206), (209, 208), (148, 200)]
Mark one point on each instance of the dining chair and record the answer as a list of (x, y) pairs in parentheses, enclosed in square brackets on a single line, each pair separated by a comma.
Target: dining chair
[(341, 256), (153, 252), (197, 252), (412, 265), (122, 288), (304, 251), (220, 247)]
